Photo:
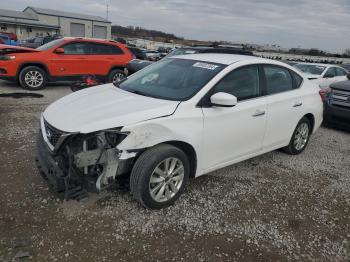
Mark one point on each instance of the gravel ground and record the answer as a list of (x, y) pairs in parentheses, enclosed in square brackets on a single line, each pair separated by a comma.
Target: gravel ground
[(274, 207)]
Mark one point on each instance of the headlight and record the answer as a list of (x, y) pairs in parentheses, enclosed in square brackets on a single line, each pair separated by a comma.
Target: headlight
[(7, 57), (114, 136)]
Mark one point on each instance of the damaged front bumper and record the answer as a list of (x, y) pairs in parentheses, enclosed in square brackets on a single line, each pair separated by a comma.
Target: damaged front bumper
[(71, 161)]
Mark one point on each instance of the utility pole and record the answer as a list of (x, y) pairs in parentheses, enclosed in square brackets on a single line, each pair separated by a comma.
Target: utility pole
[(107, 9)]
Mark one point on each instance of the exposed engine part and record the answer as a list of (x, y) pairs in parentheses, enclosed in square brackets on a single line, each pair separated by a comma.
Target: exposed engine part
[(84, 163)]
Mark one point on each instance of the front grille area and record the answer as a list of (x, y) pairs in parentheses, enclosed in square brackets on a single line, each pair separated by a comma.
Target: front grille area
[(52, 134), (340, 98)]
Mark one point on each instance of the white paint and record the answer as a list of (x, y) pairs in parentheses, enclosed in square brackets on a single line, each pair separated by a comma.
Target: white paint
[(220, 136), (322, 81)]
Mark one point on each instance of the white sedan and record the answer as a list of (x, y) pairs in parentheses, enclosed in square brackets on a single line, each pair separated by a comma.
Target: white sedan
[(180, 118), (322, 74)]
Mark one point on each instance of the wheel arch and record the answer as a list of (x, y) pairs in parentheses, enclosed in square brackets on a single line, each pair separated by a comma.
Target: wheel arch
[(311, 118), (190, 152), (119, 67), (37, 64)]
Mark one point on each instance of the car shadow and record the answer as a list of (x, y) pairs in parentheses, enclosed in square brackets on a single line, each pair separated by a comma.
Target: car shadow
[(338, 127)]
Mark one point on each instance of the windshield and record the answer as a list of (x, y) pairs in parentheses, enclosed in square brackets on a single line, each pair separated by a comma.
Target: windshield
[(181, 51), (50, 45), (310, 69), (172, 79)]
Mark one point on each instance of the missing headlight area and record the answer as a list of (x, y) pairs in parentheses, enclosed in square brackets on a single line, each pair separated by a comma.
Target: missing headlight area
[(79, 163)]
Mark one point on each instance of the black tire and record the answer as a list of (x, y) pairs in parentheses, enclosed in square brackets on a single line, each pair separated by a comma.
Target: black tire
[(114, 73), (143, 169), (32, 70), (292, 148)]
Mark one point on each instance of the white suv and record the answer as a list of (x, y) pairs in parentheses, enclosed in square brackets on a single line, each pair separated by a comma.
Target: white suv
[(182, 117)]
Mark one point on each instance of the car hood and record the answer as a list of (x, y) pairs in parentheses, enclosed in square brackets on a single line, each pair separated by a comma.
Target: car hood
[(103, 107), (9, 49)]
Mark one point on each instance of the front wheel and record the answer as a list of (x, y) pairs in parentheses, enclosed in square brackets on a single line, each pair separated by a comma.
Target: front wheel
[(32, 78), (300, 137), (159, 176)]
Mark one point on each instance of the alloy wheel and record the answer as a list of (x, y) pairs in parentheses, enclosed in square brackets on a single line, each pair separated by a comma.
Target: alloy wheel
[(117, 78), (166, 179), (34, 79), (301, 136)]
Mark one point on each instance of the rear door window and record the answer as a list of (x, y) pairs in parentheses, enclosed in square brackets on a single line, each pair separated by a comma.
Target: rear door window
[(77, 48), (278, 79)]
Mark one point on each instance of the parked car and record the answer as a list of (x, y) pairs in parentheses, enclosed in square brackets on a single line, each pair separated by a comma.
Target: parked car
[(337, 103), (138, 53), (346, 67), (153, 55), (65, 59), (12, 36), (35, 42), (180, 118), (322, 74), (136, 65), (5, 39), (203, 49)]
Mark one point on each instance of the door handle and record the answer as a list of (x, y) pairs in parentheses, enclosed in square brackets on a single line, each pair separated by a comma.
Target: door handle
[(298, 104), (258, 113)]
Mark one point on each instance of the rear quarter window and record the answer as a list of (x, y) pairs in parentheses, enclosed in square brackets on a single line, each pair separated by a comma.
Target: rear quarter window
[(298, 80)]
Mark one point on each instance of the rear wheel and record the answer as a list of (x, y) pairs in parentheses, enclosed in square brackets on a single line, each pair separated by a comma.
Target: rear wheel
[(115, 76), (159, 176), (300, 137), (32, 78)]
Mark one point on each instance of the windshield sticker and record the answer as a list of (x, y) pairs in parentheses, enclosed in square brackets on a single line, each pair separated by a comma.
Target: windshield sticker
[(205, 66), (190, 52)]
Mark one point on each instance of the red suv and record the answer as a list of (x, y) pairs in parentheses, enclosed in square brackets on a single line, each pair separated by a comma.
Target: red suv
[(65, 59)]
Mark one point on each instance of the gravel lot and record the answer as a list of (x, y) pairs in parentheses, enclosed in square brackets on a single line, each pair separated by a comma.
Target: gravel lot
[(274, 207)]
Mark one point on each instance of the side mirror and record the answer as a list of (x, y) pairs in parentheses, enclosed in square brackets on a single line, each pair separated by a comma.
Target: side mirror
[(59, 51), (222, 99), (348, 76)]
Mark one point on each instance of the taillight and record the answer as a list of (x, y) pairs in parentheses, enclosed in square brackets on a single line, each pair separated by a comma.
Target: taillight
[(324, 93)]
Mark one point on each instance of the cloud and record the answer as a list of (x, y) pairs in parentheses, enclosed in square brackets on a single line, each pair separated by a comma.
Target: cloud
[(291, 23)]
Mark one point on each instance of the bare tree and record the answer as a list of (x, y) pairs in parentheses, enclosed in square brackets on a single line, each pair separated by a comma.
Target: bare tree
[(347, 52)]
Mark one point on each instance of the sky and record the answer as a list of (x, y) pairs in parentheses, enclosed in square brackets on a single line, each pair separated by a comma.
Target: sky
[(323, 24)]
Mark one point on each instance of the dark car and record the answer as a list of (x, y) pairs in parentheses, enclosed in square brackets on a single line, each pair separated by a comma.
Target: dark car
[(136, 65), (137, 53), (337, 104), (35, 42)]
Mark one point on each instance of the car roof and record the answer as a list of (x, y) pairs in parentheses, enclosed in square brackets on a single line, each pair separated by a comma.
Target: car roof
[(226, 59), (89, 40), (316, 64)]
